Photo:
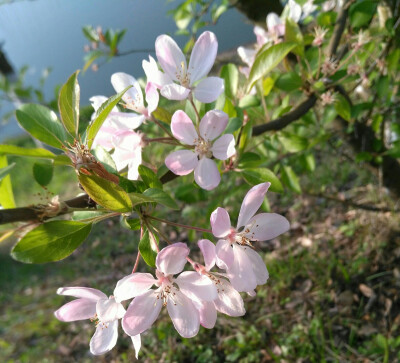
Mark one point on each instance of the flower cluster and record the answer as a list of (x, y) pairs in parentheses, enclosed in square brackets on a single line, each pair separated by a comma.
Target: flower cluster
[(192, 298)]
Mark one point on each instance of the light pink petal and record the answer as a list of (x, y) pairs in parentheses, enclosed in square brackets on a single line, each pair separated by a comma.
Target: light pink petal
[(252, 293), (207, 248), (206, 174), (247, 55), (209, 89), (273, 20), (137, 344), (203, 56), (196, 287), (154, 75), (229, 301), (224, 147), (240, 273), (172, 259), (225, 256), (104, 339), (133, 97), (170, 56), (294, 11), (220, 222), (121, 158), (152, 97), (109, 310), (258, 265), (183, 129), (184, 315), (265, 226), (80, 309), (125, 120), (104, 138), (127, 140), (175, 92), (142, 313), (208, 313), (133, 285), (181, 162), (213, 124), (83, 292), (133, 166), (262, 37), (251, 202)]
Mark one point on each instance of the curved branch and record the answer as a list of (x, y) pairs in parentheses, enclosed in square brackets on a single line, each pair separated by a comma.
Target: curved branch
[(286, 119)]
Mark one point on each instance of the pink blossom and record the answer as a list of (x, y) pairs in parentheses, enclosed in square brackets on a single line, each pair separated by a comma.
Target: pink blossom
[(245, 268), (147, 303), (104, 312), (228, 300), (179, 80), (183, 162)]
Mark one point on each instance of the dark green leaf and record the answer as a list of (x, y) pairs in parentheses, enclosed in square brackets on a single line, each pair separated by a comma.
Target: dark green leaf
[(134, 224), (249, 101), (342, 107), (293, 34), (294, 143), (43, 124), (290, 179), (149, 177), (262, 175), (106, 193), (362, 12), (43, 172), (51, 241), (235, 123), (289, 82), (230, 74), (161, 197), (147, 249), (68, 104)]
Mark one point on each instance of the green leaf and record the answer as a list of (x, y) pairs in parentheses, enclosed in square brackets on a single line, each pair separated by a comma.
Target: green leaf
[(235, 123), (6, 192), (137, 198), (245, 137), (51, 241), (262, 175), (134, 224), (249, 160), (105, 158), (43, 172), (6, 170), (90, 57), (293, 34), (68, 104), (289, 82), (80, 215), (267, 60), (294, 143), (290, 179), (101, 116), (161, 197), (249, 101), (362, 12), (342, 107), (34, 153), (43, 124), (149, 177), (106, 193), (147, 249), (230, 74), (162, 114)]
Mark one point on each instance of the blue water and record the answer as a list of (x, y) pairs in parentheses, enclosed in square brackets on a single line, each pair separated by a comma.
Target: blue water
[(45, 33)]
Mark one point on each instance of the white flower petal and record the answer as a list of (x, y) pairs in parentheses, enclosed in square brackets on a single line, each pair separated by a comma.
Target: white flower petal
[(213, 124), (224, 147), (229, 300), (208, 313), (109, 310), (181, 162), (207, 248), (265, 226), (196, 287), (169, 56), (203, 56), (172, 259), (251, 202), (206, 174), (240, 273), (175, 92), (220, 222), (258, 265), (209, 89), (137, 344), (184, 315), (104, 339), (133, 97), (154, 75), (225, 256), (133, 285), (142, 313), (80, 309), (183, 129), (83, 292)]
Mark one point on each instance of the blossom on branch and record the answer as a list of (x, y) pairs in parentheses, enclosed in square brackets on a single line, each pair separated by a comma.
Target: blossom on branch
[(104, 312), (183, 162), (235, 253)]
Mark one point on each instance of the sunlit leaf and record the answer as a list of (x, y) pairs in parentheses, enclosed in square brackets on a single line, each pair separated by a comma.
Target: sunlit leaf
[(68, 104)]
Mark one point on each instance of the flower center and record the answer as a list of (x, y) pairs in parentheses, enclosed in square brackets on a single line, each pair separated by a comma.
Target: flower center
[(166, 293), (97, 323), (202, 148), (182, 75)]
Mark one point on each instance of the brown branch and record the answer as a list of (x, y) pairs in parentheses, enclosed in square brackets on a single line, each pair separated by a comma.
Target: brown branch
[(286, 119), (338, 30)]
